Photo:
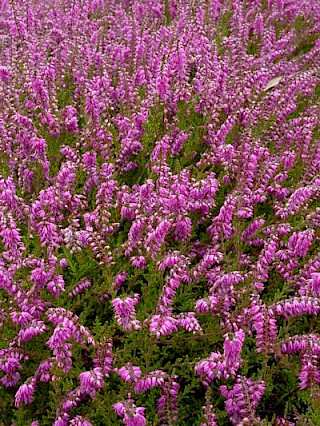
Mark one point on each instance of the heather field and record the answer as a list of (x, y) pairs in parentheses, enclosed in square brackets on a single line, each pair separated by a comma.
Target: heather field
[(159, 212)]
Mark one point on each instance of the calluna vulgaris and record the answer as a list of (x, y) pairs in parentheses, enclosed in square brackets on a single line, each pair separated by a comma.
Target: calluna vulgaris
[(159, 212)]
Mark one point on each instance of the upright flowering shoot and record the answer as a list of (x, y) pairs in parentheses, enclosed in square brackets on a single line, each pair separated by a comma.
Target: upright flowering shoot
[(125, 312), (242, 400)]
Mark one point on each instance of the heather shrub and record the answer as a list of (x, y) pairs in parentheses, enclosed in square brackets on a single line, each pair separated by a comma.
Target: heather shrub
[(159, 212)]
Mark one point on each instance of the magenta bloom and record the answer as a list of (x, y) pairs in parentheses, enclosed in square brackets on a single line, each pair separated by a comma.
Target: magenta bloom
[(125, 312), (129, 373), (131, 414), (24, 394)]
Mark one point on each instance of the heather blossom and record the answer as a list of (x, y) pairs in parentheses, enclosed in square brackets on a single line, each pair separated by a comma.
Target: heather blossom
[(131, 414), (129, 373), (80, 421), (153, 379), (242, 400), (125, 312), (232, 349), (24, 394)]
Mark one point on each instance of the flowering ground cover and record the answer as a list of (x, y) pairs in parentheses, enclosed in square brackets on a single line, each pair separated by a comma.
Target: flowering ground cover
[(159, 212)]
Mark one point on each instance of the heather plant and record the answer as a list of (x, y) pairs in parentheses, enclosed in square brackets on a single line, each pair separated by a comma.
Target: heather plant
[(159, 212)]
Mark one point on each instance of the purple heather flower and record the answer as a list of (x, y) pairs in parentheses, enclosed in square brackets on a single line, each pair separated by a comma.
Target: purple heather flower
[(79, 421), (167, 404), (131, 414), (120, 279), (242, 399), (284, 422), (125, 312), (34, 328), (207, 305), (297, 306), (212, 368), (189, 322), (309, 374), (24, 394), (315, 283), (80, 287), (56, 286), (153, 379), (162, 325), (300, 242), (265, 326), (91, 381), (232, 349), (61, 421), (139, 262), (10, 380), (129, 373)]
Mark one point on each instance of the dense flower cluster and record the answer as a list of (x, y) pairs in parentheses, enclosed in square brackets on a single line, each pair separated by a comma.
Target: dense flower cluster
[(159, 212)]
